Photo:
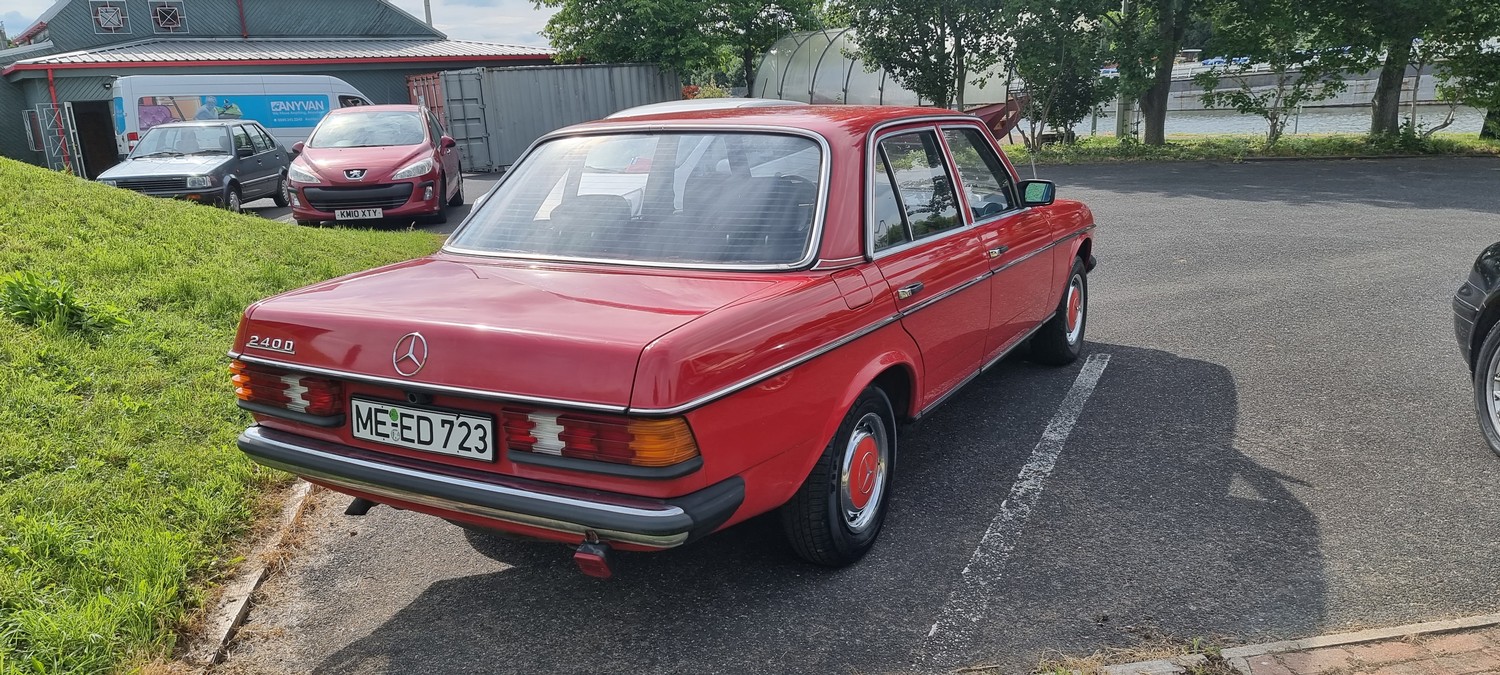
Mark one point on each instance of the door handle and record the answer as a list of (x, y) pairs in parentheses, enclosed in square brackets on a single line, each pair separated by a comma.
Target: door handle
[(998, 251), (909, 290)]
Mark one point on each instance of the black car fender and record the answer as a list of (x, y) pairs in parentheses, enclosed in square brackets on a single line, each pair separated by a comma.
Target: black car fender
[(1477, 303)]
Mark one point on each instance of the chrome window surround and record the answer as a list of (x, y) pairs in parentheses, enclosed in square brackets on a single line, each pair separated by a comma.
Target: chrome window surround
[(814, 239)]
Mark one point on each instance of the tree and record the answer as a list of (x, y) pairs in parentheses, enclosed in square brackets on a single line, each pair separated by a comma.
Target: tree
[(1057, 48), (666, 32), (932, 47), (1382, 33), (1148, 36), (1288, 37), (1469, 70), (749, 27)]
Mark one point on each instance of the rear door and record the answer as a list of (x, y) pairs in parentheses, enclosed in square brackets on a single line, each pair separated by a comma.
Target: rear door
[(1014, 240), (931, 260)]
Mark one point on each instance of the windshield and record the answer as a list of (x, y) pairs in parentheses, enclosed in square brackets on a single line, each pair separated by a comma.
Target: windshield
[(710, 198), (179, 141), (368, 130)]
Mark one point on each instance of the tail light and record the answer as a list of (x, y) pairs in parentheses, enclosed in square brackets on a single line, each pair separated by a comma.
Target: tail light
[(316, 396), (621, 440)]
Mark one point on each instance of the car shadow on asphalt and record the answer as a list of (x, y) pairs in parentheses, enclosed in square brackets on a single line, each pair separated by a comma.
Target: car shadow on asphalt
[(1152, 521)]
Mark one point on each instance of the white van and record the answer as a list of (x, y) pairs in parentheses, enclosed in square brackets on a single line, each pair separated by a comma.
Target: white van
[(288, 106)]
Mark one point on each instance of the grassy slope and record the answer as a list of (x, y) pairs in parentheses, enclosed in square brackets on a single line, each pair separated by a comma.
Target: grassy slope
[(1237, 147), (120, 486)]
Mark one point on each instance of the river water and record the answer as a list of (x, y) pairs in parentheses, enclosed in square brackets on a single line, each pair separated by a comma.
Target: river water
[(1309, 121)]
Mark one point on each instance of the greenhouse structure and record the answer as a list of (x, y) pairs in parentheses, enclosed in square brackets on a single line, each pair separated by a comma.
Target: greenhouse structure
[(818, 67)]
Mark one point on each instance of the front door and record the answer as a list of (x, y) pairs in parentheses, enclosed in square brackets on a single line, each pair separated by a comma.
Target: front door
[(931, 261), (1014, 240)]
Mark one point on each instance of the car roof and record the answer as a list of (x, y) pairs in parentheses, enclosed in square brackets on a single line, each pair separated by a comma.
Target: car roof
[(203, 123), (700, 104), (830, 121)]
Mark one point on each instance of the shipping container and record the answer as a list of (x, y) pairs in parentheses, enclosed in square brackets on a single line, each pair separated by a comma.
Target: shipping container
[(496, 113)]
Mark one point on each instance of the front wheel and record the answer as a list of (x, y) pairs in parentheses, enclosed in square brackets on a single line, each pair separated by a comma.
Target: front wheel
[(232, 199), (442, 213), (458, 197), (283, 195), (837, 513), (1487, 388), (1060, 340)]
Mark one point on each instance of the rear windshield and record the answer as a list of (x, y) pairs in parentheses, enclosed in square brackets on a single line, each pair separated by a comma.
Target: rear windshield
[(368, 130), (680, 198)]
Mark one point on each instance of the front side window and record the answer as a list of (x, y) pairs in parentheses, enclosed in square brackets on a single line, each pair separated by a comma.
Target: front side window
[(922, 182), (369, 130), (985, 180), (727, 198), (886, 216), (242, 140)]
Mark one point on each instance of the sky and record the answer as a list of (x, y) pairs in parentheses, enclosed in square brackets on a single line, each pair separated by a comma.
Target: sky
[(505, 21)]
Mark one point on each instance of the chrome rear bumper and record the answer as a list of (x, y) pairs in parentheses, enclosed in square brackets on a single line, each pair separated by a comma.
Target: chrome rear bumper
[(613, 517)]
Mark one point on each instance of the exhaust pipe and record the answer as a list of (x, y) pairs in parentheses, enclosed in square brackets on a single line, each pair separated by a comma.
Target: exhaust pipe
[(360, 506)]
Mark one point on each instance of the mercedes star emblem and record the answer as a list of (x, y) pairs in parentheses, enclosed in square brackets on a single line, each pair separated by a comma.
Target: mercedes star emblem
[(410, 354)]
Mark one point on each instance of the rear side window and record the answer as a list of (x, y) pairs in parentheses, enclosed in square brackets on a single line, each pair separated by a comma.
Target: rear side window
[(351, 101), (922, 182), (712, 199), (258, 139), (269, 140)]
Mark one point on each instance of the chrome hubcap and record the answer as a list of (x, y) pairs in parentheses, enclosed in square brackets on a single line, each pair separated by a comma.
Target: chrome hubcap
[(1075, 309), (866, 467), (234, 202)]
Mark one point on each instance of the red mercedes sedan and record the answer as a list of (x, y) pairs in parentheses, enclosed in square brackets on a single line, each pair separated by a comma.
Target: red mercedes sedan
[(375, 162), (658, 326)]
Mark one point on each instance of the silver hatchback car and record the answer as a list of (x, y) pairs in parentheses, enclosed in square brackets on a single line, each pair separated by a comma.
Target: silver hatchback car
[(217, 162)]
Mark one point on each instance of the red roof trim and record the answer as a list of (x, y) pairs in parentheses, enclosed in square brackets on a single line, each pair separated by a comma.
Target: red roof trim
[(276, 62), (30, 32)]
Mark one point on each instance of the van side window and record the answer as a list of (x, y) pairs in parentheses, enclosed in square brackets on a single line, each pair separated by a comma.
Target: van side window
[(347, 101)]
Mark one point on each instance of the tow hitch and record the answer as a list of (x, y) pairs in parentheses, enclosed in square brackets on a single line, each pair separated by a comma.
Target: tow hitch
[(594, 559)]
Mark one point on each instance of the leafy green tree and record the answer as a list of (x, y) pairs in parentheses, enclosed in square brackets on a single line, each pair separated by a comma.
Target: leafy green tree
[(665, 32), (1469, 64), (932, 47), (1148, 36), (1057, 48), (1286, 38), (748, 28), (1381, 33)]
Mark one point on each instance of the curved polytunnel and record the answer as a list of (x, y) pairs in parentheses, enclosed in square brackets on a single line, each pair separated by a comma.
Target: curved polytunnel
[(814, 67)]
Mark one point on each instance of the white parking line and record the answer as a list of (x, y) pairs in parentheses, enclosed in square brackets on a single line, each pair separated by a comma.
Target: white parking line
[(969, 600)]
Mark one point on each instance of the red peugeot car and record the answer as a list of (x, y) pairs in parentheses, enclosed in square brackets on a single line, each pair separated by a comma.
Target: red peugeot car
[(375, 162), (658, 326)]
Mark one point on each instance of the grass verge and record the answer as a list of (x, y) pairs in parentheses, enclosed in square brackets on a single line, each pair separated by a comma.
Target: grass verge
[(1241, 147), (120, 486), (1149, 645)]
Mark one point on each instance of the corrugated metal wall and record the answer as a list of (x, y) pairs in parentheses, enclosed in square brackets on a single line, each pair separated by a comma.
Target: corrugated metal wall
[(495, 113), (12, 132), (73, 27)]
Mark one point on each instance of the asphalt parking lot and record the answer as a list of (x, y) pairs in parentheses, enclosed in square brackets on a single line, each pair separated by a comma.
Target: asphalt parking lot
[(475, 185), (1280, 444)]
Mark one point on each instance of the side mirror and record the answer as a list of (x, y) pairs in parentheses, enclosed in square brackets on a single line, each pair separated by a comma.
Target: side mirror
[(244, 152), (447, 142), (297, 147), (1037, 192)]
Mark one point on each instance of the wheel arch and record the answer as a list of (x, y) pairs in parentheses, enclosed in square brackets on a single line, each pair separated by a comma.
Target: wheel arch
[(1489, 315)]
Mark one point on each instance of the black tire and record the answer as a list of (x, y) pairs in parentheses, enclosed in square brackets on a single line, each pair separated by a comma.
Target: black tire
[(1060, 341), (817, 521), (458, 197), (1486, 369), (280, 196), (232, 201), (309, 223)]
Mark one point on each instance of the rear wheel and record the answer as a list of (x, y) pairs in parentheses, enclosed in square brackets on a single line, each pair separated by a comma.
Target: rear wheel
[(1487, 388), (1060, 340), (836, 515)]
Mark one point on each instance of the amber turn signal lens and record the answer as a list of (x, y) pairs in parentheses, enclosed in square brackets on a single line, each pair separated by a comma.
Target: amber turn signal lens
[(662, 442)]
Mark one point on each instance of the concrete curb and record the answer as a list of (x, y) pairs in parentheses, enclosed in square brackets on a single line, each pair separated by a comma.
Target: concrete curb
[(233, 603), (1238, 657)]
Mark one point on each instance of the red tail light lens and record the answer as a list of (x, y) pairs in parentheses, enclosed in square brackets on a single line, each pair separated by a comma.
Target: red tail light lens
[(316, 396), (620, 440)]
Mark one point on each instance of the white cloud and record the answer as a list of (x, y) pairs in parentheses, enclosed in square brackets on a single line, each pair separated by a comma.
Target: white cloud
[(504, 21)]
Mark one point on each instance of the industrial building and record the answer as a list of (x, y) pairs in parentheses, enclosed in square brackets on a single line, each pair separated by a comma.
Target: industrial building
[(56, 104)]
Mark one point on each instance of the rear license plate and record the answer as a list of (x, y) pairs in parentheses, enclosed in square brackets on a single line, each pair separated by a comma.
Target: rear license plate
[(446, 432), (358, 214)]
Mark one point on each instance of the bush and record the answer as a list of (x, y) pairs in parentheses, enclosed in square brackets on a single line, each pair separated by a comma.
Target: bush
[(52, 304)]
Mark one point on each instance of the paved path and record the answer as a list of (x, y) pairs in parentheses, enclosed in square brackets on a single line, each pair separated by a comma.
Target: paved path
[(1282, 445), (1458, 653)]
